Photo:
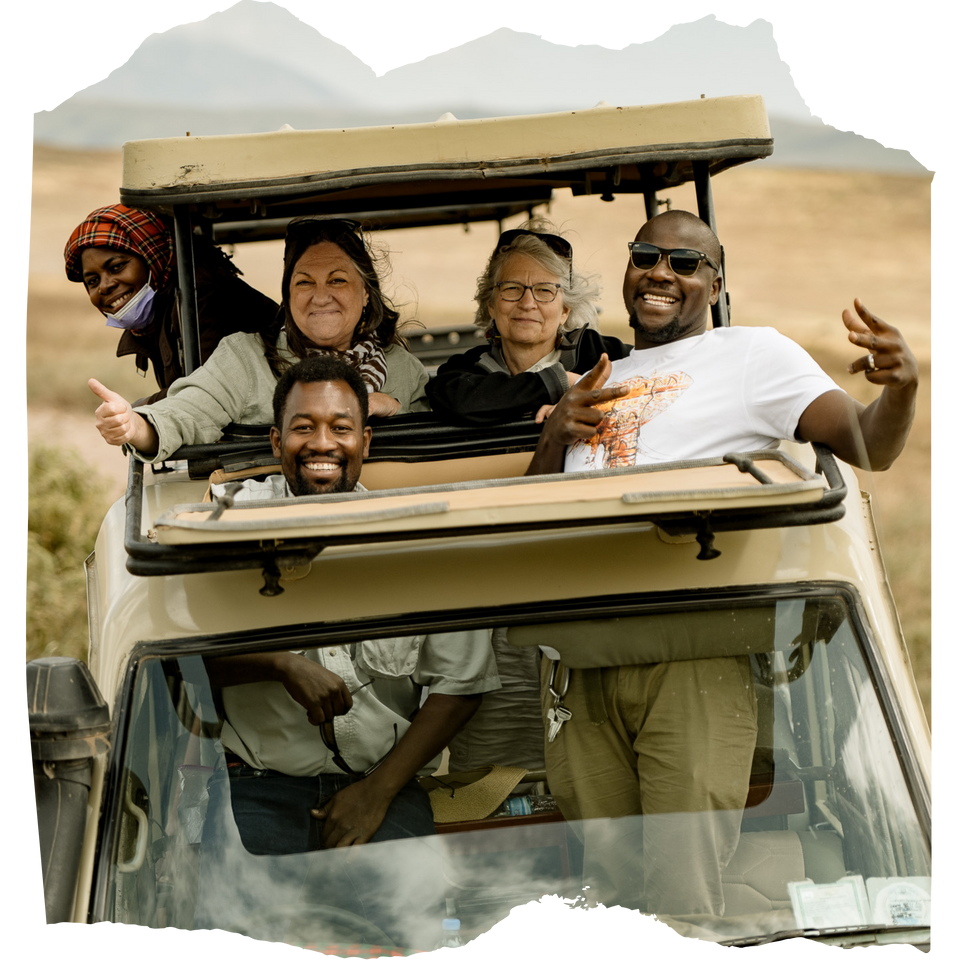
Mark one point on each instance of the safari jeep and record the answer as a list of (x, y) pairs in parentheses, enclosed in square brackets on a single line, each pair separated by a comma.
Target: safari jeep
[(771, 554)]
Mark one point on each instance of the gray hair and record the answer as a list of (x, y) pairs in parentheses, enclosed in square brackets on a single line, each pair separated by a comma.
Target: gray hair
[(579, 291)]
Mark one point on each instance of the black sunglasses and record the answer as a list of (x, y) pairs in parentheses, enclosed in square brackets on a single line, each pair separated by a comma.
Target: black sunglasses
[(327, 730), (322, 227), (328, 738), (558, 244), (683, 262)]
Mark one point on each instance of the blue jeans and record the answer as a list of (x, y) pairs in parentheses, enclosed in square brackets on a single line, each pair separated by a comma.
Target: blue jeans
[(273, 811)]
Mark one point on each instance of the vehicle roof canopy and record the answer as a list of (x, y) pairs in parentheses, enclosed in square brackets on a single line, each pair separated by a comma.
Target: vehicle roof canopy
[(448, 171)]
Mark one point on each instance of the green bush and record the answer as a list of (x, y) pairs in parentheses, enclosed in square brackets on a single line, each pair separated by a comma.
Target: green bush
[(67, 503)]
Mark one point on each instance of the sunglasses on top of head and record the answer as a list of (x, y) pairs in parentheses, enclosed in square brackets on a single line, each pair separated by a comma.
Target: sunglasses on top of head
[(559, 245), (322, 227), (683, 262)]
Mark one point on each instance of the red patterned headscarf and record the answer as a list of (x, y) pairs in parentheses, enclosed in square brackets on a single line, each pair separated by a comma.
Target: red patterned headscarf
[(123, 228)]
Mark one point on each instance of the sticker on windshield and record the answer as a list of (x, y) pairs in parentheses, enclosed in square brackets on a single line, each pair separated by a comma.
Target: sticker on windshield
[(900, 902), (825, 905)]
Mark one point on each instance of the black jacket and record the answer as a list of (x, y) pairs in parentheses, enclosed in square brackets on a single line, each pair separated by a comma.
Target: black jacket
[(473, 388)]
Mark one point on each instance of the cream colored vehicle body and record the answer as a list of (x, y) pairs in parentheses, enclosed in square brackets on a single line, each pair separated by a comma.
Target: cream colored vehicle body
[(126, 610), (457, 538), (496, 566)]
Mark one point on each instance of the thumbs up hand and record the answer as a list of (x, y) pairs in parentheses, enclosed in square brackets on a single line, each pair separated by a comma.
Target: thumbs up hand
[(118, 423)]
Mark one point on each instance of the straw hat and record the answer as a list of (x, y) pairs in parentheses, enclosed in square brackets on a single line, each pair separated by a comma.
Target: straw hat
[(472, 795)]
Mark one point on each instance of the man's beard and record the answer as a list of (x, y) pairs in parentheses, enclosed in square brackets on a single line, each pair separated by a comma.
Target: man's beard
[(304, 486), (670, 331)]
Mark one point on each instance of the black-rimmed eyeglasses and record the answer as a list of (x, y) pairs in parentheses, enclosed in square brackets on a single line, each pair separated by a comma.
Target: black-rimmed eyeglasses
[(541, 292)]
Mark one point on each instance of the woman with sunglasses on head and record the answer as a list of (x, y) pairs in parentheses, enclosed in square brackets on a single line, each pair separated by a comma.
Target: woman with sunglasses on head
[(540, 319), (125, 259), (332, 303)]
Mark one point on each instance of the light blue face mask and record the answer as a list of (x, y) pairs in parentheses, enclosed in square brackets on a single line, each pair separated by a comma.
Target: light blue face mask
[(136, 313)]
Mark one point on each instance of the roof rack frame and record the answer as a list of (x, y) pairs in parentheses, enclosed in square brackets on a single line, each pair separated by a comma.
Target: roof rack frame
[(147, 558)]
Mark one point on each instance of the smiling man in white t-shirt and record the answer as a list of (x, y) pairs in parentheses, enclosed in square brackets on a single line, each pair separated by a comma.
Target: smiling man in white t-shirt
[(681, 735), (686, 391)]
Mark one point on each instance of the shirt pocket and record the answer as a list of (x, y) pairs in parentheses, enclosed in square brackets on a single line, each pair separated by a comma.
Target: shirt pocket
[(391, 658)]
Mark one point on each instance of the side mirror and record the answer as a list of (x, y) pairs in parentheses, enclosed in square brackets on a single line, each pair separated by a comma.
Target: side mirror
[(69, 726)]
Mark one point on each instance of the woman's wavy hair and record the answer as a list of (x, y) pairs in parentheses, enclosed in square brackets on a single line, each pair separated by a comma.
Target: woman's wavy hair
[(379, 316), (579, 291)]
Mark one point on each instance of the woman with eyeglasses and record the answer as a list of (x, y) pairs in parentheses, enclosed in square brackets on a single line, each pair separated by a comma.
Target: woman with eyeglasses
[(540, 320), (125, 260), (332, 303)]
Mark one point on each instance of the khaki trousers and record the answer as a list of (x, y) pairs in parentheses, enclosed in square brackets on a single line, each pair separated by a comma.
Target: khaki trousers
[(660, 784)]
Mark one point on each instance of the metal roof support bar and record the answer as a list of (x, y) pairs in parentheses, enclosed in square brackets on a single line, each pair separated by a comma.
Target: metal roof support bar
[(649, 190), (188, 306), (720, 310)]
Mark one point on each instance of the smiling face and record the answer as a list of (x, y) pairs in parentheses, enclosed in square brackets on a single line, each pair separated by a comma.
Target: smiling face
[(664, 306), (321, 442), (326, 296), (526, 325), (112, 277)]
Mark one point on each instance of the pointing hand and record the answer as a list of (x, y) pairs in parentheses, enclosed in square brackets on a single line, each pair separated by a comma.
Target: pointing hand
[(577, 414), (889, 361)]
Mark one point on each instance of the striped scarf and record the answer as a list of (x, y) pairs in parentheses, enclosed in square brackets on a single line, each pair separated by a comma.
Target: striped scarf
[(366, 356)]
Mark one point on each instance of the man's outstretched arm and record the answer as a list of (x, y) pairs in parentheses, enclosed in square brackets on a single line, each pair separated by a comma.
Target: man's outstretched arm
[(868, 437)]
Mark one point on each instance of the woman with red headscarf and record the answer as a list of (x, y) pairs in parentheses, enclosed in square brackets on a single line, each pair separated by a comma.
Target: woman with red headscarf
[(126, 261)]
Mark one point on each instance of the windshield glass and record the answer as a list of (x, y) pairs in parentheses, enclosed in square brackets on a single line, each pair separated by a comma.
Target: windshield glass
[(759, 789)]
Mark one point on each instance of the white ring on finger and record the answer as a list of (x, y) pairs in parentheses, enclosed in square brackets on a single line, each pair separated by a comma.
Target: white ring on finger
[(870, 363)]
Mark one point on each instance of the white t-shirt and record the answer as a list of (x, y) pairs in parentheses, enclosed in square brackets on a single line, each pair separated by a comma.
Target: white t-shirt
[(730, 390)]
